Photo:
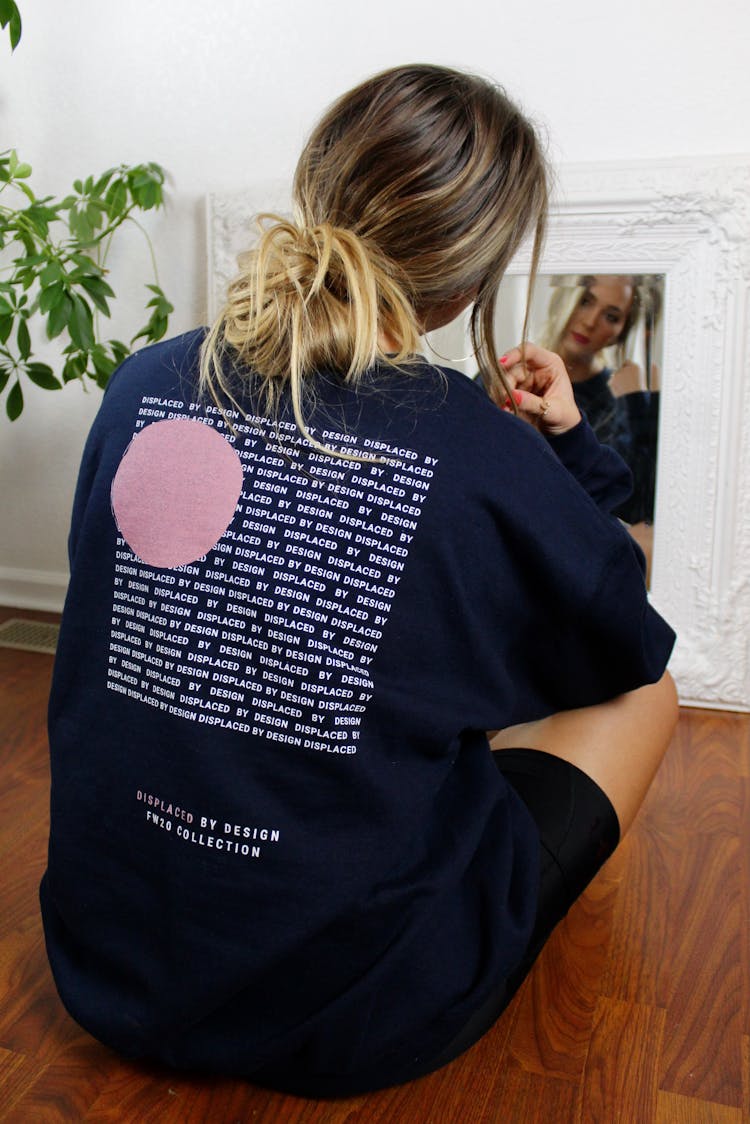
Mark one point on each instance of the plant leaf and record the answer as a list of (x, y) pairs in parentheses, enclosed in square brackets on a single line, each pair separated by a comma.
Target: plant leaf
[(43, 376), (14, 402), (30, 259), (148, 196), (159, 320), (94, 215), (81, 323), (39, 218), (86, 265), (24, 187), (13, 18), (51, 274), (79, 224), (117, 199), (24, 340), (75, 365), (98, 290), (104, 365), (102, 182), (58, 279), (59, 317), (50, 297), (120, 351)]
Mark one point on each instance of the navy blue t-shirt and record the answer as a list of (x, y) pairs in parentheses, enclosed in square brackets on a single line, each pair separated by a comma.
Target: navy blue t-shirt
[(279, 844)]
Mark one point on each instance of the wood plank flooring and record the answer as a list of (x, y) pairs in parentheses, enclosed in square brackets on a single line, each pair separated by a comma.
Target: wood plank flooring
[(638, 1011)]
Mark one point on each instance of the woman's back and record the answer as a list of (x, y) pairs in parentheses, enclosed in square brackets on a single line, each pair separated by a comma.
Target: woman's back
[(309, 571), (283, 816)]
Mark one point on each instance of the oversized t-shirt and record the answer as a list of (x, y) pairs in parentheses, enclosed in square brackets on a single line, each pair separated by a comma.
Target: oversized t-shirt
[(279, 844)]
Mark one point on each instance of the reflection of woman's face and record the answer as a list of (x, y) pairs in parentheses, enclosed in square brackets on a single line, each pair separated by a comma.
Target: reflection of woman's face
[(599, 317)]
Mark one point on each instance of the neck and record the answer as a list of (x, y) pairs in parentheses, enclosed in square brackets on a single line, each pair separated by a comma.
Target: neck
[(580, 370), (387, 344)]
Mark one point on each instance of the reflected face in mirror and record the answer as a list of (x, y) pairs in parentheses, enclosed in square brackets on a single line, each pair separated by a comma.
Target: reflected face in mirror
[(608, 330), (597, 322)]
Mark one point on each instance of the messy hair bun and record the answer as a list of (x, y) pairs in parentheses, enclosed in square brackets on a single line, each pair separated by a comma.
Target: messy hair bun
[(310, 296)]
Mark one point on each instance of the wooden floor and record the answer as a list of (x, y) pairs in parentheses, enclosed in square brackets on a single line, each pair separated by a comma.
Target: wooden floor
[(638, 1010)]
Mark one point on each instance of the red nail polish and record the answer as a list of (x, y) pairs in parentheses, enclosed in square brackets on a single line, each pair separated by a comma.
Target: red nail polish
[(503, 359), (517, 397)]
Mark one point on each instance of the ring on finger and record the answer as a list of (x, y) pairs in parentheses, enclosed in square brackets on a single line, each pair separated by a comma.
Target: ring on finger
[(544, 405)]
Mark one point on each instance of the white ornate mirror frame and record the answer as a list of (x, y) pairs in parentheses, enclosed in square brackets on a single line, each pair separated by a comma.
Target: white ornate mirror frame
[(690, 220)]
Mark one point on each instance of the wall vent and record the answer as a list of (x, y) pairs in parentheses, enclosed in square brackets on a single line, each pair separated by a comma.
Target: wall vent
[(29, 636)]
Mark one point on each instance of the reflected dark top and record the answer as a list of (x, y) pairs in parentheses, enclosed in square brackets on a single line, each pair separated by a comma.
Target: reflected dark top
[(630, 425)]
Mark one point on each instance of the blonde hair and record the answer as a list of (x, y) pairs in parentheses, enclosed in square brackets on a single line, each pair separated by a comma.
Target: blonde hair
[(567, 293), (415, 189)]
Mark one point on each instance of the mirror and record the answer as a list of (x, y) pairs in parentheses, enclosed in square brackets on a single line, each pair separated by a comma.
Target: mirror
[(608, 329), (686, 222)]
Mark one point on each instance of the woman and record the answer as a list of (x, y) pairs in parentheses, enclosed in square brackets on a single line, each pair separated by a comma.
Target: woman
[(586, 322), (309, 572)]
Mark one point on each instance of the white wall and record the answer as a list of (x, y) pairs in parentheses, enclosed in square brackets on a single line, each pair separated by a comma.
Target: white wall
[(222, 95)]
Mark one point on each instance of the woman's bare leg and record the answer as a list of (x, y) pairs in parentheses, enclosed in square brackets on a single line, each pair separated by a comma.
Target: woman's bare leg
[(619, 744)]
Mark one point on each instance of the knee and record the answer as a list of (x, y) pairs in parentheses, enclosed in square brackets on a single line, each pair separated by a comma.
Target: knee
[(668, 697), (662, 708)]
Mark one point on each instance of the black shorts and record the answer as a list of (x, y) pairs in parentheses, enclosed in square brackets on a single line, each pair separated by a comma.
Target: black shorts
[(578, 831)]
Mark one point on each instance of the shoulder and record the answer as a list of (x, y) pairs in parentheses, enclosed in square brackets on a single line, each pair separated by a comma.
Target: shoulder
[(173, 359), (441, 402), (598, 386), (166, 370), (479, 441), (465, 401), (466, 398), (628, 379), (468, 390), (512, 466)]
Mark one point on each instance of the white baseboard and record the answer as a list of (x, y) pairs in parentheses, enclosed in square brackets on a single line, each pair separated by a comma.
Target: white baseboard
[(33, 589)]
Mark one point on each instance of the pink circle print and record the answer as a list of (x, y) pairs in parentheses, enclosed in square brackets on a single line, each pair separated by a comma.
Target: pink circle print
[(175, 491)]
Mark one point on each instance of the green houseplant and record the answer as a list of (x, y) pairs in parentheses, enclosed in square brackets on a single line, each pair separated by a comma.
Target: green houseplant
[(53, 267)]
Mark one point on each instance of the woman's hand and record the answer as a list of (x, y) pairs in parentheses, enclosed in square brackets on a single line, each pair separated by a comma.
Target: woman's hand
[(541, 388)]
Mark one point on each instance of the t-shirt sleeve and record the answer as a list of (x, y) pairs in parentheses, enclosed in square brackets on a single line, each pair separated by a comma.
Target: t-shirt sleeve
[(86, 474), (595, 639), (90, 460), (562, 618), (598, 468)]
